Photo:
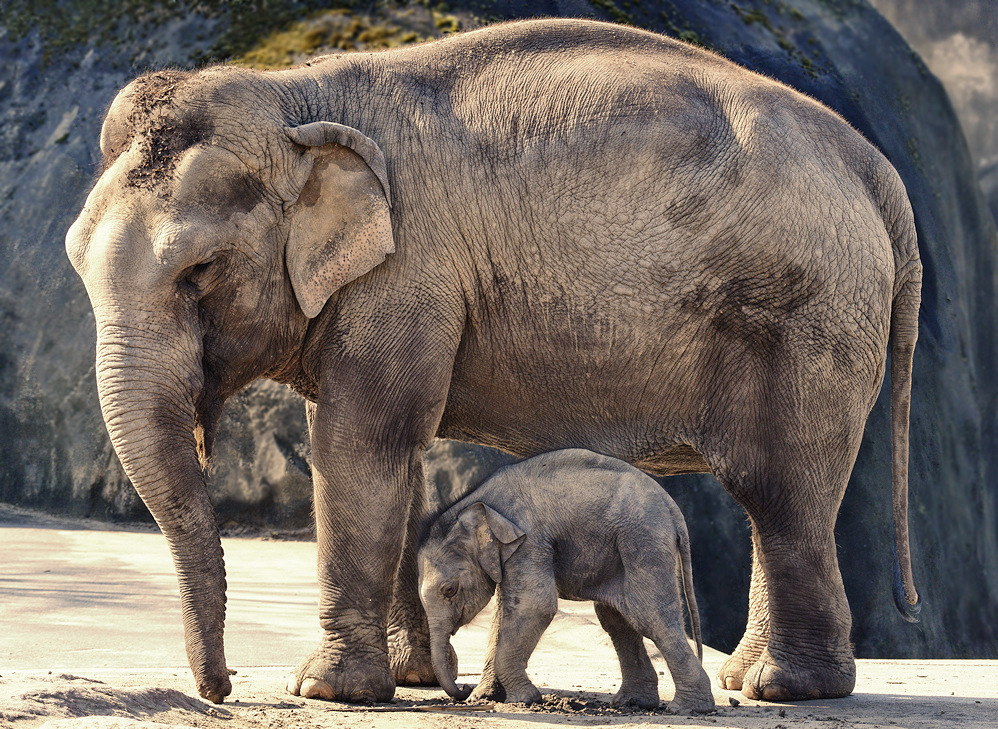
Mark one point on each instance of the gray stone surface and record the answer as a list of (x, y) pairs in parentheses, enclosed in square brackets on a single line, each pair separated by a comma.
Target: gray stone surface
[(56, 452), (958, 40)]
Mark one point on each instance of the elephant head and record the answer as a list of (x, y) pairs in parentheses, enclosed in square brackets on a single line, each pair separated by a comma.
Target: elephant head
[(224, 219), (458, 573)]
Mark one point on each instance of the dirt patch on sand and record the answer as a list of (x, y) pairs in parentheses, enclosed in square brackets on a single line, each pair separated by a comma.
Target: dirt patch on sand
[(64, 696)]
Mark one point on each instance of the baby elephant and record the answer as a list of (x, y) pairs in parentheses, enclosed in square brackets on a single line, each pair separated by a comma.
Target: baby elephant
[(576, 525)]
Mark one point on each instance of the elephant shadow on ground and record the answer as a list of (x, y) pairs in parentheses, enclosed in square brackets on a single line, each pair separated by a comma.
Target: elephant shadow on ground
[(854, 711)]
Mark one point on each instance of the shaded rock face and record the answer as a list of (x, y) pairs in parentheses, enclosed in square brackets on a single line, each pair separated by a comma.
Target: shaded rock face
[(57, 454), (958, 41)]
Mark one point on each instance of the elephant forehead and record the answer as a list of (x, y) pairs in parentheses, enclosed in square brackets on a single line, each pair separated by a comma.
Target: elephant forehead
[(215, 178), (432, 556), (155, 119), (111, 208), (140, 106)]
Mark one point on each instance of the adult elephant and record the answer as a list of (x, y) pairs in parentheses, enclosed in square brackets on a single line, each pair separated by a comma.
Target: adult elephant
[(600, 238)]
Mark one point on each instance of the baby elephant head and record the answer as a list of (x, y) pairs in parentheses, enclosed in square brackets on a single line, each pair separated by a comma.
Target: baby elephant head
[(458, 572)]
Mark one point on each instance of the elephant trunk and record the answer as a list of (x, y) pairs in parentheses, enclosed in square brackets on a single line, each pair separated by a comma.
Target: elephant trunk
[(439, 652), (147, 380)]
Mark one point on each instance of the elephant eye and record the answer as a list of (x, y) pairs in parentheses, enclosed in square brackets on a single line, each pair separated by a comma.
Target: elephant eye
[(195, 274), (448, 590)]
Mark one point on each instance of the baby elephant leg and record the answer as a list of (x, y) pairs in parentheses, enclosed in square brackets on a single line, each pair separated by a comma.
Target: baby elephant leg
[(693, 692), (489, 688), (660, 617), (639, 682), (524, 618)]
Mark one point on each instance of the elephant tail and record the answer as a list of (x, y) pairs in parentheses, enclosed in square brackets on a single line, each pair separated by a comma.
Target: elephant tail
[(904, 332), (686, 571)]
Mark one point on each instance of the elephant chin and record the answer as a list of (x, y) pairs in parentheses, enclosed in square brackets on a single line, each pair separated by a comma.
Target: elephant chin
[(439, 652)]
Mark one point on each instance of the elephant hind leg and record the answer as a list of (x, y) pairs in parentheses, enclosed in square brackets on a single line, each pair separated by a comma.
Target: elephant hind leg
[(652, 606), (796, 644), (661, 620), (639, 682), (788, 465), (756, 636), (808, 654)]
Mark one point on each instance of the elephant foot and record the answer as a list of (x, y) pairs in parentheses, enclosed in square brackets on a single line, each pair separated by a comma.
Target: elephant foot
[(488, 689), (782, 679), (690, 705), (336, 675), (409, 656), (733, 670), (641, 698), (215, 689), (528, 695)]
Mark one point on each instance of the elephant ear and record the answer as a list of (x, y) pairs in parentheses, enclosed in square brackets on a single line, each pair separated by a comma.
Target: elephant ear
[(340, 225), (496, 535)]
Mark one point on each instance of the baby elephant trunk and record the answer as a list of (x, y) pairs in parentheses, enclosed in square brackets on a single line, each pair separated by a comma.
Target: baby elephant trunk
[(439, 653)]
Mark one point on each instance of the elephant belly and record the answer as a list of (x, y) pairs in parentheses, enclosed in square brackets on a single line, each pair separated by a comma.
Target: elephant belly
[(673, 460), (567, 400)]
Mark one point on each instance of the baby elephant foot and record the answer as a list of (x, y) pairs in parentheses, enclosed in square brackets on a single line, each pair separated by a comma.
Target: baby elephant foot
[(693, 696), (488, 689), (339, 676), (526, 695), (781, 679), (690, 705), (643, 698)]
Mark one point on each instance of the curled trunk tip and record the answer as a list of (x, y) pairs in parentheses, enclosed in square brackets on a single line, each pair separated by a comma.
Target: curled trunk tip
[(439, 651)]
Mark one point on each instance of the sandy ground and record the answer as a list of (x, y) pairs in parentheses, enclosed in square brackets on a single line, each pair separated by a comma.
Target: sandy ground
[(90, 636)]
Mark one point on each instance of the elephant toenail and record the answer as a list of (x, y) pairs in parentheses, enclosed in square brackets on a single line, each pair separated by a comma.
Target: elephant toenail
[(732, 684), (292, 686), (775, 692), (315, 688), (412, 678)]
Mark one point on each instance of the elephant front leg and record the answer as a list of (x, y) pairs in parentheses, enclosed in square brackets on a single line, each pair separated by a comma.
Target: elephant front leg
[(528, 606), (375, 415), (360, 525), (490, 688), (756, 636)]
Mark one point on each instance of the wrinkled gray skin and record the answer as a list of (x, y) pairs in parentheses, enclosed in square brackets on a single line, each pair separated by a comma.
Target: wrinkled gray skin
[(575, 525), (603, 238)]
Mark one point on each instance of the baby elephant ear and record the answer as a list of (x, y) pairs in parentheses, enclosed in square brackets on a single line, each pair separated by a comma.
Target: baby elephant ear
[(497, 538), (340, 225), (505, 532)]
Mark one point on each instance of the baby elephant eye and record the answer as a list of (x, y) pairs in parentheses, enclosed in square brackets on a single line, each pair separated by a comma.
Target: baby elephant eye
[(448, 590)]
